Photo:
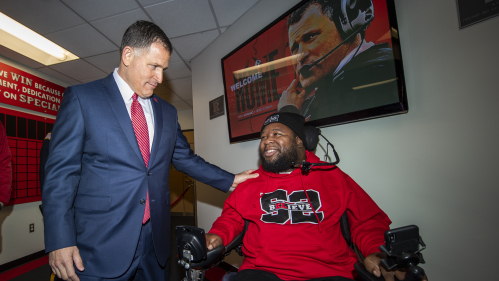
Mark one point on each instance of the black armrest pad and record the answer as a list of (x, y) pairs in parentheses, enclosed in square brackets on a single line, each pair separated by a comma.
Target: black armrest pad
[(211, 257)]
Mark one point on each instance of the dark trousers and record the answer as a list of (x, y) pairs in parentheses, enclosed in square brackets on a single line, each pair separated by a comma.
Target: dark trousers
[(260, 275), (144, 265)]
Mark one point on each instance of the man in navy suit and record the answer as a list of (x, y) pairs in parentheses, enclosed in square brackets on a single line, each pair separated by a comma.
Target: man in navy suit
[(106, 197)]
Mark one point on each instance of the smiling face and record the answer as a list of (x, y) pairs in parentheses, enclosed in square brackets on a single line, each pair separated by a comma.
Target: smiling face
[(279, 147), (142, 69), (313, 37)]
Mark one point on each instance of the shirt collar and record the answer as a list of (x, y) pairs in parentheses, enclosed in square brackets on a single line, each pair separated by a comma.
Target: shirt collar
[(364, 46), (125, 90)]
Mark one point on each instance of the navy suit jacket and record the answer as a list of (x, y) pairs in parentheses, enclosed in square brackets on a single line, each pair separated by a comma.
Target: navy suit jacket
[(96, 178)]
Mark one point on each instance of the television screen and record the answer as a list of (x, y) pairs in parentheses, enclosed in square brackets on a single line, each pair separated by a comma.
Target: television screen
[(333, 62)]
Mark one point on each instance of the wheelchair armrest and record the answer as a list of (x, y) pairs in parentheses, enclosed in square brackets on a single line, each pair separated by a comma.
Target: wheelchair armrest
[(217, 253), (191, 243), (212, 256), (192, 250), (366, 275)]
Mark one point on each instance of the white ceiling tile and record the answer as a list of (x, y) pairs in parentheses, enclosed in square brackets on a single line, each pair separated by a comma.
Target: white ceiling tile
[(49, 71), (182, 17), (82, 40), (44, 17), (181, 105), (169, 97), (79, 70), (189, 23), (172, 98), (92, 79), (191, 45), (176, 70), (109, 61), (163, 92), (149, 2), (97, 9), (181, 85), (106, 62), (175, 57), (8, 53), (228, 11), (114, 27), (185, 95)]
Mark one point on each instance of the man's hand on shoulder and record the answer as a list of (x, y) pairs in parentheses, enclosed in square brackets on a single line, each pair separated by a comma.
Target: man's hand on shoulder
[(213, 241), (61, 262), (372, 264), (242, 177)]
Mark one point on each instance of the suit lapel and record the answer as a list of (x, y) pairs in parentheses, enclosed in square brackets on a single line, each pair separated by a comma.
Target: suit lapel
[(158, 128), (118, 106)]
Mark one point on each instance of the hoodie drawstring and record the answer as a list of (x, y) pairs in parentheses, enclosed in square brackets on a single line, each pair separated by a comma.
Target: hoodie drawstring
[(310, 202)]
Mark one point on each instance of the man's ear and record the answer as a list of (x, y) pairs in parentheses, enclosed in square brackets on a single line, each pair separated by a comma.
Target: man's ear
[(127, 55), (299, 142)]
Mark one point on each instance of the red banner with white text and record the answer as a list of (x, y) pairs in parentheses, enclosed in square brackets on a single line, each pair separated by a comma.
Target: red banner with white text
[(22, 89)]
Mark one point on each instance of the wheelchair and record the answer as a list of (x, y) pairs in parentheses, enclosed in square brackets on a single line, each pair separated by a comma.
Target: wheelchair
[(403, 248), (403, 245)]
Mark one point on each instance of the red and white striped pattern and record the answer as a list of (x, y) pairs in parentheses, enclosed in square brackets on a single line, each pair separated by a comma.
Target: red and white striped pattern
[(142, 134)]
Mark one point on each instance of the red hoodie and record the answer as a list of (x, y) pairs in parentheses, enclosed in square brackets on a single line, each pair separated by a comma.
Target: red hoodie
[(284, 236)]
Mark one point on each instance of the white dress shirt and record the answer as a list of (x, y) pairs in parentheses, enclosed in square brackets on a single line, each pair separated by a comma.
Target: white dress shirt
[(364, 46), (127, 93)]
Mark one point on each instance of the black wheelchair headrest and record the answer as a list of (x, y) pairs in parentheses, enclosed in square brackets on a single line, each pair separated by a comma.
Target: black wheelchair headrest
[(311, 137)]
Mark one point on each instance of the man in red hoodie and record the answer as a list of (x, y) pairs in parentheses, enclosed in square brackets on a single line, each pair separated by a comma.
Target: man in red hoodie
[(294, 219)]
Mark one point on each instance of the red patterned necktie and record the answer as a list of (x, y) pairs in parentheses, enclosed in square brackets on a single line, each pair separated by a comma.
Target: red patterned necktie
[(142, 134)]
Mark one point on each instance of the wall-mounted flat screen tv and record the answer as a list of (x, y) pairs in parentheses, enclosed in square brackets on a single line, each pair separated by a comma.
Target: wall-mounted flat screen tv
[(334, 62)]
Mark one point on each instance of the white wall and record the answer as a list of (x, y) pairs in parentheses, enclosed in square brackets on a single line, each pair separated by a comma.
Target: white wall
[(15, 239), (434, 167), (185, 119)]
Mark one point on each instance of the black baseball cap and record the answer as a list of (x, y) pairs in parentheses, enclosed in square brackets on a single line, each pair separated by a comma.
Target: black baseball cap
[(294, 121)]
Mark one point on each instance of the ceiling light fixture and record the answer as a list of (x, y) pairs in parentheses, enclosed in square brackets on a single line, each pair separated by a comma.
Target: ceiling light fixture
[(14, 35)]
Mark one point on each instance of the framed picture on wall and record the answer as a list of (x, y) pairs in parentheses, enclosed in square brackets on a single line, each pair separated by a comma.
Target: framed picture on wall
[(333, 61), (471, 12)]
